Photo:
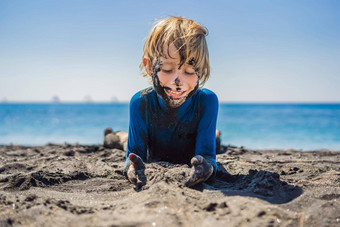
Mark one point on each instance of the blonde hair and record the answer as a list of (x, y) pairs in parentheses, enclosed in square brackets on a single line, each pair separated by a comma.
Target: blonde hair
[(189, 39)]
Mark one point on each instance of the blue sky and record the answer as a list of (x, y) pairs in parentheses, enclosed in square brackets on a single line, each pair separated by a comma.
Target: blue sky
[(260, 51)]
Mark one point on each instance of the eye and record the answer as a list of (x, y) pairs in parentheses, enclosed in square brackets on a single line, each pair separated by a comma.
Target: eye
[(190, 73), (166, 71)]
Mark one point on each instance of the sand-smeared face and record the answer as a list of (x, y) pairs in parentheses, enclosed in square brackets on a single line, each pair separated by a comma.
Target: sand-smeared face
[(175, 83)]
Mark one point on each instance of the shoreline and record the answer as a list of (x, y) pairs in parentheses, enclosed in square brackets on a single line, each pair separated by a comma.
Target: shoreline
[(229, 146), (81, 185)]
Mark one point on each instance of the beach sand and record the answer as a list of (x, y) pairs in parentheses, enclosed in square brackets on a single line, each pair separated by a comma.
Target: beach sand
[(75, 185)]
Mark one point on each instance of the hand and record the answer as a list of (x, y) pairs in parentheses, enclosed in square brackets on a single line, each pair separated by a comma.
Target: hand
[(136, 170), (201, 171)]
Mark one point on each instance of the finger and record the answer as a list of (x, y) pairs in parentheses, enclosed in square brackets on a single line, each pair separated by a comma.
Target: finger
[(133, 157), (194, 179), (139, 183), (200, 172), (197, 178), (136, 160), (198, 175), (197, 160), (131, 174)]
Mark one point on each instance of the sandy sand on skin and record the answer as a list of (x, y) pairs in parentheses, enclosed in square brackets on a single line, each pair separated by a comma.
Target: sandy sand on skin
[(75, 185)]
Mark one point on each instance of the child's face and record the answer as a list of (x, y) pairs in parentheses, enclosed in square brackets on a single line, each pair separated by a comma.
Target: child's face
[(175, 83)]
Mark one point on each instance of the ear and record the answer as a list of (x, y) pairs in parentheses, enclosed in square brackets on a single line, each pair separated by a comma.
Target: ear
[(147, 66)]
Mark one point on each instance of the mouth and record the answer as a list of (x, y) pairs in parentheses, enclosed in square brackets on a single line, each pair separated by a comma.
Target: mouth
[(175, 94)]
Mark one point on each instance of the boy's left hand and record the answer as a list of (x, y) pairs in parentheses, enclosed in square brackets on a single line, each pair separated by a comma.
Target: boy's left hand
[(201, 171)]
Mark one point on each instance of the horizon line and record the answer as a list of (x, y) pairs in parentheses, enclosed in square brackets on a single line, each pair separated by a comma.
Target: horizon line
[(126, 102)]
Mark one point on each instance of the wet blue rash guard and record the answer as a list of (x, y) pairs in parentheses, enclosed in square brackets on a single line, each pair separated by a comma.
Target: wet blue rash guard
[(175, 135)]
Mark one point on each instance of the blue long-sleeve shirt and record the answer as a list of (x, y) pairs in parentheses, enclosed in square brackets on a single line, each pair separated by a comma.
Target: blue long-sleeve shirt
[(158, 133)]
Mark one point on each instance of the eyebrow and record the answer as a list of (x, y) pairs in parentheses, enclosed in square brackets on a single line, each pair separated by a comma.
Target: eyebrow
[(174, 63)]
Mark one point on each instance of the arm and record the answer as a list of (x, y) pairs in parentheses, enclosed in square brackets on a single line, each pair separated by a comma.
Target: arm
[(204, 163), (137, 141), (206, 132)]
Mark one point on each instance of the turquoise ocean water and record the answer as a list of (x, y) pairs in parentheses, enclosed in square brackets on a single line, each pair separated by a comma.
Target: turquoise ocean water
[(256, 126)]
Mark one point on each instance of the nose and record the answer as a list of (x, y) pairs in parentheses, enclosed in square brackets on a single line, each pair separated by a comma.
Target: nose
[(177, 79)]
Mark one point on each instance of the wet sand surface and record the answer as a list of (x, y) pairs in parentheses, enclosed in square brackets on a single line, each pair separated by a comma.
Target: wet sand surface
[(75, 185)]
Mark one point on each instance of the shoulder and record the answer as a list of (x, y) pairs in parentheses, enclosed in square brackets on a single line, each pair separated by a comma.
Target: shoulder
[(141, 96), (207, 97)]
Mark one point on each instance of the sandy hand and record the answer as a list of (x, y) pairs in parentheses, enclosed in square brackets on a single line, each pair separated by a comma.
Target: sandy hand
[(136, 170), (201, 171)]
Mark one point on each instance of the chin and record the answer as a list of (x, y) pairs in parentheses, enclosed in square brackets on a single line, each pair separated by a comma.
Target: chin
[(175, 103)]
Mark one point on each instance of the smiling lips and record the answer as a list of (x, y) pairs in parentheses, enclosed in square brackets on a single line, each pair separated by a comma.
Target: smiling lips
[(174, 94)]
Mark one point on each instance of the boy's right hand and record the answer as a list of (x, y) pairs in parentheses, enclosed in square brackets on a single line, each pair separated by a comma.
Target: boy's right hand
[(136, 170)]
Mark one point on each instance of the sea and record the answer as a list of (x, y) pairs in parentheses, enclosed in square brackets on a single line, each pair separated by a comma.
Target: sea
[(254, 126)]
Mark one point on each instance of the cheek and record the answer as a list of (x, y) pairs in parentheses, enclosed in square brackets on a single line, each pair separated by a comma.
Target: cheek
[(163, 79), (192, 81)]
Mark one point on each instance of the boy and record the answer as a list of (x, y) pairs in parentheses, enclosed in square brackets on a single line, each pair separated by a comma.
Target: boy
[(175, 120)]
